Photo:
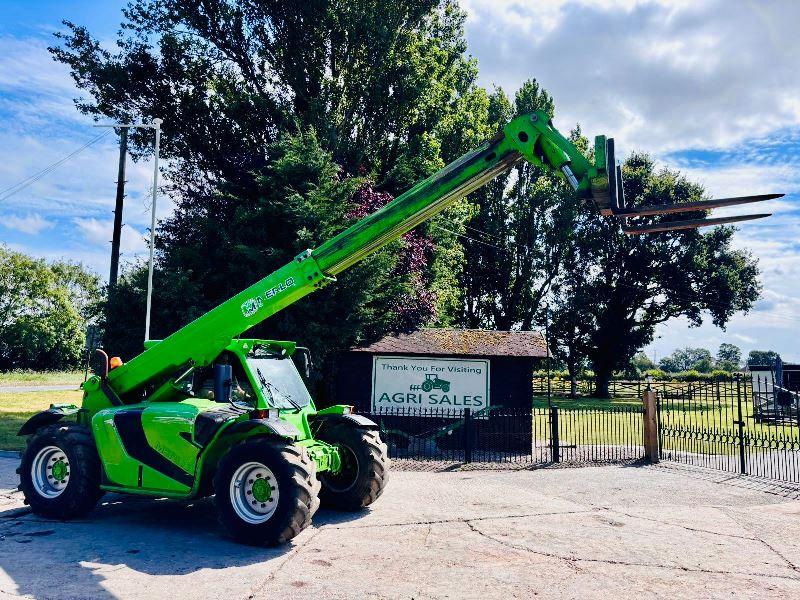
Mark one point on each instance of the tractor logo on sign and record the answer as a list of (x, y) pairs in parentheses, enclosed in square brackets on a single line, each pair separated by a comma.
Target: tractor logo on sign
[(432, 382)]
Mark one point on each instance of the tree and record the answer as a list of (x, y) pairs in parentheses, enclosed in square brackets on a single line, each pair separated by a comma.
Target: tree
[(384, 89), (626, 285), (762, 358), (516, 236), (296, 201), (729, 357), (378, 81), (687, 359), (43, 311), (641, 363)]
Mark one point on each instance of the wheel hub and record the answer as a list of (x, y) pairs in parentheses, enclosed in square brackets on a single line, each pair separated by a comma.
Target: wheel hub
[(59, 469), (50, 471), (254, 492), (261, 490)]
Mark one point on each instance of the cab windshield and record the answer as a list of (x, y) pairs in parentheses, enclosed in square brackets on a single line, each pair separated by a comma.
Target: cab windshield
[(279, 380)]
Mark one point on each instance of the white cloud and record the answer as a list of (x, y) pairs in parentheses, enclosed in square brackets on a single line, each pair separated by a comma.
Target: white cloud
[(30, 224), (39, 125), (97, 232), (657, 76)]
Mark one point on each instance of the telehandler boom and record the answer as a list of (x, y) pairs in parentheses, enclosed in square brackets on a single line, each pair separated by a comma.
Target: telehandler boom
[(206, 412)]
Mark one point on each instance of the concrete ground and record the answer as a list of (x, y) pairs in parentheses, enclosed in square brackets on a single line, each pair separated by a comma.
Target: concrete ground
[(595, 532)]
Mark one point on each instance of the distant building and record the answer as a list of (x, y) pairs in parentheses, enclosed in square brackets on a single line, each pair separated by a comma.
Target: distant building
[(776, 392)]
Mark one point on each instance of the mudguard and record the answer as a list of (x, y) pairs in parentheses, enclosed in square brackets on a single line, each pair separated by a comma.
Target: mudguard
[(275, 427), (354, 420), (46, 417)]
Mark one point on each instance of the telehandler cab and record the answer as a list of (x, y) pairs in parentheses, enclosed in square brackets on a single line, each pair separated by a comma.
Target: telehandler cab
[(206, 412)]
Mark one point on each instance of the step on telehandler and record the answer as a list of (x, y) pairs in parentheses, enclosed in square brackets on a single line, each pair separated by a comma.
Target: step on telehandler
[(206, 412)]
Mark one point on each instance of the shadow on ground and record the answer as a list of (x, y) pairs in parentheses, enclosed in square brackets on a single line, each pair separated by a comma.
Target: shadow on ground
[(47, 558)]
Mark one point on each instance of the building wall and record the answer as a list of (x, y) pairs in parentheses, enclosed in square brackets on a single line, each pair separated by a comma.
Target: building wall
[(510, 384)]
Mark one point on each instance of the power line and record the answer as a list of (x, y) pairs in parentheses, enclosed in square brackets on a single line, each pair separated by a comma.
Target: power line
[(461, 235), (30, 180)]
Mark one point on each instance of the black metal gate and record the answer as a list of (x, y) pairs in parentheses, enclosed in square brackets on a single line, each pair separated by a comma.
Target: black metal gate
[(741, 426), (515, 437)]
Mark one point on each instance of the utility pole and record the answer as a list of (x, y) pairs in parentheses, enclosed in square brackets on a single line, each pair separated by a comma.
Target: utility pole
[(123, 152), (118, 212)]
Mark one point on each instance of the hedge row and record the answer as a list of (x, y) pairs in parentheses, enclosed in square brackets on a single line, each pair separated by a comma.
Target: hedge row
[(657, 374)]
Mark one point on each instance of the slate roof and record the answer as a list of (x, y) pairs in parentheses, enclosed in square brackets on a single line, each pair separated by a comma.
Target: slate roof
[(468, 342)]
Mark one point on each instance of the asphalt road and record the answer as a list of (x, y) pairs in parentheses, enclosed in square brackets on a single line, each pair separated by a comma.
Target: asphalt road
[(597, 532)]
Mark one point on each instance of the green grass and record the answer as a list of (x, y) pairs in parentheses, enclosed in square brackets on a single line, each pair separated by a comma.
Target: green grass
[(708, 425), (595, 403), (588, 421), (18, 407), (23, 378)]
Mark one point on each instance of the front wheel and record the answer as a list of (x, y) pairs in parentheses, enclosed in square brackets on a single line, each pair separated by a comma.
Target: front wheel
[(60, 471), (365, 468), (266, 492)]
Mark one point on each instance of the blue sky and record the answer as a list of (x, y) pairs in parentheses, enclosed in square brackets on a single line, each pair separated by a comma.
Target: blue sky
[(706, 86)]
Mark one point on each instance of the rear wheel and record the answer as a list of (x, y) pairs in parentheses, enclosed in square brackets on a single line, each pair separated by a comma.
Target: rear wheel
[(365, 468), (266, 492), (60, 472)]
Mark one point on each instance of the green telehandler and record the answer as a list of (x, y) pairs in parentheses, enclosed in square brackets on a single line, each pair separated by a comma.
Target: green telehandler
[(206, 412)]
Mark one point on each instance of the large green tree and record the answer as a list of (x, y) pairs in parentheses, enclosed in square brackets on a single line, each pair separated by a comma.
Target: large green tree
[(515, 242), (762, 358), (383, 91), (378, 81), (685, 359), (44, 309), (297, 200), (618, 288), (729, 357)]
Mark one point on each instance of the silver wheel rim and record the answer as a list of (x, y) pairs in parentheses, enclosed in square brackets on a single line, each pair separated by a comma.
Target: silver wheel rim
[(50, 472), (247, 490)]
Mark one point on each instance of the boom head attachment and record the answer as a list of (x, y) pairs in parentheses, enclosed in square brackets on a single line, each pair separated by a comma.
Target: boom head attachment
[(611, 201), (535, 138)]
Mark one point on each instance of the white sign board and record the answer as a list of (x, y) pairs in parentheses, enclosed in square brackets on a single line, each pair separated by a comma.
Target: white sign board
[(419, 384)]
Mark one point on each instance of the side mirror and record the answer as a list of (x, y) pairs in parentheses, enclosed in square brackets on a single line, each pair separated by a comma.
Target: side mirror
[(100, 367), (223, 382), (305, 360)]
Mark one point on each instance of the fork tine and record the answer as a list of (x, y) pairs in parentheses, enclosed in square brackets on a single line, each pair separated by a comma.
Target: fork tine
[(667, 209), (692, 224)]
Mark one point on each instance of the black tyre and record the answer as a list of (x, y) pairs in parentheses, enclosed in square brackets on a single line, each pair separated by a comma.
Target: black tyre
[(60, 472), (266, 491), (365, 468)]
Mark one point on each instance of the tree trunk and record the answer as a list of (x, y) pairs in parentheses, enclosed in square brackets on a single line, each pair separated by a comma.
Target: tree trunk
[(573, 376), (601, 379)]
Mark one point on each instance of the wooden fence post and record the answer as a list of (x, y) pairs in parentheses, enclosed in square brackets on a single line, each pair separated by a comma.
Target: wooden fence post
[(651, 452)]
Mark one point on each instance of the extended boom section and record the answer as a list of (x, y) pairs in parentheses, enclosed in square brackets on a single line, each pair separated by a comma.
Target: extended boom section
[(530, 137)]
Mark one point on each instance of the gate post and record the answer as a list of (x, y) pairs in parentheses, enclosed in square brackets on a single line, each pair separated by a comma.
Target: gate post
[(740, 425), (651, 450), (555, 443), (467, 435)]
